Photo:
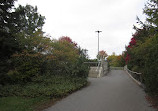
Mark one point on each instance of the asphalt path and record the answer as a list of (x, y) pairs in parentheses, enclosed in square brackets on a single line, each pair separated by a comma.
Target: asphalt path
[(114, 92)]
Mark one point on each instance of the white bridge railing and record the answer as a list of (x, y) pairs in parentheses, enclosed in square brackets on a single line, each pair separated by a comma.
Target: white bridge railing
[(91, 63), (135, 75), (99, 65)]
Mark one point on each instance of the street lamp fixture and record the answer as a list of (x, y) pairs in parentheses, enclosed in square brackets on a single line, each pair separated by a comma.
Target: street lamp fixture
[(98, 40)]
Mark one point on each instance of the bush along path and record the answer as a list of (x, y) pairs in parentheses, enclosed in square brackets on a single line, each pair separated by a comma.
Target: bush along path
[(34, 68), (141, 54)]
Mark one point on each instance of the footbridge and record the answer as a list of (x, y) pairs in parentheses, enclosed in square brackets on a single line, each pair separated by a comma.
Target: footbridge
[(98, 69)]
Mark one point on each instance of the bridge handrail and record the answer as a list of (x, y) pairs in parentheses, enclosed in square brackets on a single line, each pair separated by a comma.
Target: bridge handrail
[(133, 72), (99, 64), (90, 62), (135, 75)]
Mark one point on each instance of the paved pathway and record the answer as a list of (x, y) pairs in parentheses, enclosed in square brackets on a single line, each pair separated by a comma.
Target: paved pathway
[(114, 92)]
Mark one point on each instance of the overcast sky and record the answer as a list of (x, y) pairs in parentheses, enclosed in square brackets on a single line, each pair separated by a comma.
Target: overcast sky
[(79, 19)]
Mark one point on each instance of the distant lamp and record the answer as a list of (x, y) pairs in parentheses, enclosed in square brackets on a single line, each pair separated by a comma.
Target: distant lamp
[(98, 40)]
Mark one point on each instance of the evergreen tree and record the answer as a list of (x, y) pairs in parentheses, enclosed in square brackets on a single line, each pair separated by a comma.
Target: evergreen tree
[(8, 44), (151, 10)]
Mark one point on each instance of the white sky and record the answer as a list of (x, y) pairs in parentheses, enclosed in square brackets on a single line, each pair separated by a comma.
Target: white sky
[(79, 19)]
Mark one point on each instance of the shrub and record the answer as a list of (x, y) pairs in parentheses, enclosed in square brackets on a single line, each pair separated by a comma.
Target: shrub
[(52, 86), (25, 66), (151, 64), (144, 59)]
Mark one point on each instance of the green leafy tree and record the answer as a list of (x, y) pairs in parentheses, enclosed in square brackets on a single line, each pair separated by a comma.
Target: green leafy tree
[(31, 62), (17, 26), (29, 20), (8, 43)]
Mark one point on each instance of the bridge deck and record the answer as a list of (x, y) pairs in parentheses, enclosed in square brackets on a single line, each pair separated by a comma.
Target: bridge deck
[(114, 92)]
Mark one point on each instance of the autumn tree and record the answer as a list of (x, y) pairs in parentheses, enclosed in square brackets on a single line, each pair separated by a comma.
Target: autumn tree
[(102, 54), (116, 60), (141, 53)]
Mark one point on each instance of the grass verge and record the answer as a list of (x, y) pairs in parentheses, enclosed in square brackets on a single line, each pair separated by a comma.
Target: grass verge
[(20, 103)]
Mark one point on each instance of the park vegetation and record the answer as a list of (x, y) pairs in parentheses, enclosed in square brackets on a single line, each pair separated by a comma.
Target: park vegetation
[(116, 60), (33, 66), (141, 55)]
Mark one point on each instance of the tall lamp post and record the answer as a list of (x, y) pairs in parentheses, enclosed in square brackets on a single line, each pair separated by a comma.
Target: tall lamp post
[(98, 40)]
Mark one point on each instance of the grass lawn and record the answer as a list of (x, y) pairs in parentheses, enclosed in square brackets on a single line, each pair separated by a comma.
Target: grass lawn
[(20, 103)]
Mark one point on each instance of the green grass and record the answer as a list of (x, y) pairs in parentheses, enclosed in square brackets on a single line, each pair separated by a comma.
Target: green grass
[(19, 103), (41, 90)]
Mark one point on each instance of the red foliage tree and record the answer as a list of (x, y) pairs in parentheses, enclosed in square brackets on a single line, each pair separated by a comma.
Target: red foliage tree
[(67, 39), (127, 58), (102, 54), (132, 42)]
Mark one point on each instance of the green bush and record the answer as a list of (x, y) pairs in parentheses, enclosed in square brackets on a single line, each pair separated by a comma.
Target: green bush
[(79, 69), (144, 59), (25, 66), (151, 64)]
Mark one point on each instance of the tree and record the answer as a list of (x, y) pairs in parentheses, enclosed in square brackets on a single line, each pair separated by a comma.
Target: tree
[(116, 60), (67, 39), (30, 20), (102, 54), (65, 54), (16, 26), (8, 43), (6, 14), (151, 10), (23, 19)]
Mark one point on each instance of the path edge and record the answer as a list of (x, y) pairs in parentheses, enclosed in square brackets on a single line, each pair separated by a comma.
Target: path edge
[(136, 81)]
